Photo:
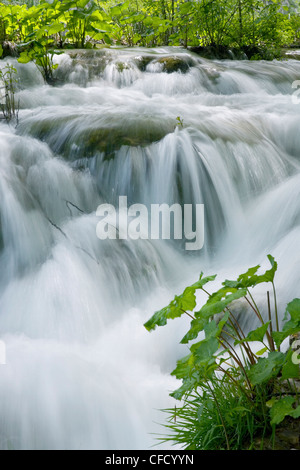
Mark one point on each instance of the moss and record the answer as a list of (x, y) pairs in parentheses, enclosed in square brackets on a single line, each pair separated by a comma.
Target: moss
[(121, 66), (107, 138), (175, 64), (110, 140)]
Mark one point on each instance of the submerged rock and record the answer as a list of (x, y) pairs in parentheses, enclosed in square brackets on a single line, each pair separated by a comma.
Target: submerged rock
[(219, 52), (175, 64), (142, 61), (73, 137)]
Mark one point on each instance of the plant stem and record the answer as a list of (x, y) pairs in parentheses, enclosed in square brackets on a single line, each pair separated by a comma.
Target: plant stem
[(276, 308), (220, 414), (272, 345)]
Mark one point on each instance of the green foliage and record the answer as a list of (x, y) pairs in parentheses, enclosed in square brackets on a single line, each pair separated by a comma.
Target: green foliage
[(223, 367), (42, 56), (9, 106), (256, 27)]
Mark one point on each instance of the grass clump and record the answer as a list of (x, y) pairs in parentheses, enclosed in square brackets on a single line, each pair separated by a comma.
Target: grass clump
[(237, 386)]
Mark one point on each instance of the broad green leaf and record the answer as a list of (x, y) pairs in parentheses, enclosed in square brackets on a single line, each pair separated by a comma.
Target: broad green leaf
[(205, 350), (185, 367), (281, 409), (82, 3), (292, 326), (188, 386), (244, 280), (55, 28), (216, 304), (179, 306), (266, 368), (296, 413), (294, 310), (203, 281), (24, 58), (289, 369), (219, 301), (256, 335), (251, 279)]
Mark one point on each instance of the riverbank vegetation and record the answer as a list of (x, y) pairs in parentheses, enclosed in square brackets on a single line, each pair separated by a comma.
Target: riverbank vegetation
[(222, 28), (240, 390)]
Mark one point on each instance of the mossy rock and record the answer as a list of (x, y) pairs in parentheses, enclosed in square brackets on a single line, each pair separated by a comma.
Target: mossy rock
[(111, 139), (10, 49), (143, 61), (107, 137), (121, 66), (173, 64)]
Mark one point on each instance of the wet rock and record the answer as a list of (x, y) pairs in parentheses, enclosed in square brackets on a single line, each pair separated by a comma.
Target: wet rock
[(175, 64), (214, 52), (121, 66), (10, 49), (142, 62), (104, 136), (293, 54), (287, 437), (217, 52)]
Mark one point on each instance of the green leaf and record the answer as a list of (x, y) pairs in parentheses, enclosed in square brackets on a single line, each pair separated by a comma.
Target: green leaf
[(281, 409), (289, 369), (185, 367), (294, 310), (256, 335), (214, 329), (261, 351), (179, 306), (188, 386), (55, 28), (204, 350), (24, 58), (292, 326), (216, 304), (296, 413), (251, 279), (266, 368)]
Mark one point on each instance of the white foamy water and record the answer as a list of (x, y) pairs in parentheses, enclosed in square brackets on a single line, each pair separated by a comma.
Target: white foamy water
[(82, 372)]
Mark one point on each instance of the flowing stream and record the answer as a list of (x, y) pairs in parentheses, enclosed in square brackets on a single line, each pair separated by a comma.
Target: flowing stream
[(82, 372)]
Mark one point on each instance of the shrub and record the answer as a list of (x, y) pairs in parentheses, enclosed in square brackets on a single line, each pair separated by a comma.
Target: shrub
[(231, 391)]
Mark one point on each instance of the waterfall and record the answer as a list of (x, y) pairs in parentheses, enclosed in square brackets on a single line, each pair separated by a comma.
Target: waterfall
[(81, 371)]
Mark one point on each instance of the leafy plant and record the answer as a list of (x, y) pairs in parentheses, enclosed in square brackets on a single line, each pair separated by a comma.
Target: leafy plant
[(9, 106), (252, 26), (227, 384), (43, 57)]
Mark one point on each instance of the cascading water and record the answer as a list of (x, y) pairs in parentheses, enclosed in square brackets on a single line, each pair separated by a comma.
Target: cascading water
[(82, 372)]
